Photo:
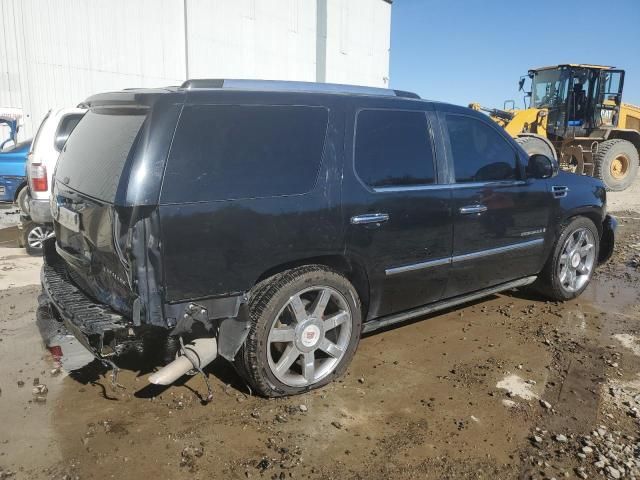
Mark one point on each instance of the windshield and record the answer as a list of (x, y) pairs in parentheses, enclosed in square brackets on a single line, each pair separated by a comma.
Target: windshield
[(549, 88), (95, 154)]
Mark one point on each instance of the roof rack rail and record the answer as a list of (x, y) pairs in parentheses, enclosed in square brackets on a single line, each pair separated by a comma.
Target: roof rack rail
[(286, 85)]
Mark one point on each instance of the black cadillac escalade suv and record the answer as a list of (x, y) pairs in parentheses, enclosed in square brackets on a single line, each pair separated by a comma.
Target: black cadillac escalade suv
[(272, 223)]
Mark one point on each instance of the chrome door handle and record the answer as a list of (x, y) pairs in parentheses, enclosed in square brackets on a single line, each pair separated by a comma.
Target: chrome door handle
[(369, 218), (469, 209)]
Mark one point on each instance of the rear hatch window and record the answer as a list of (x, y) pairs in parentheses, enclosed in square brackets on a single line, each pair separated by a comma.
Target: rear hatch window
[(96, 152)]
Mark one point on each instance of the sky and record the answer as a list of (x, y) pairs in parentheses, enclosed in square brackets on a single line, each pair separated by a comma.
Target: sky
[(463, 51)]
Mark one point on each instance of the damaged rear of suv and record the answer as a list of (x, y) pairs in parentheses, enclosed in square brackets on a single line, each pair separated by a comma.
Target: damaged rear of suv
[(272, 223), (144, 249)]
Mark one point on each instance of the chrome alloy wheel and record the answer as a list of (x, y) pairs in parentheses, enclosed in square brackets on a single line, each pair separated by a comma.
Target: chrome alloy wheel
[(37, 235), (309, 336), (577, 260)]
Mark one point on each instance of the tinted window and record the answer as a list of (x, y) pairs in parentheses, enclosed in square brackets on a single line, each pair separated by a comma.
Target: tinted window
[(230, 151), (67, 124), (393, 148), (480, 153), (94, 156)]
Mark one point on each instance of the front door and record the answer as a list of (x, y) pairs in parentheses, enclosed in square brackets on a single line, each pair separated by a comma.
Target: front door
[(500, 216), (398, 216)]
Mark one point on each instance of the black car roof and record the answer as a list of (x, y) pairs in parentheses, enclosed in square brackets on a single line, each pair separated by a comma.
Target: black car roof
[(146, 96)]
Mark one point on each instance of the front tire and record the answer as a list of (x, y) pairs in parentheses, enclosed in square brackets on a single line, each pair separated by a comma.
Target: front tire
[(305, 328), (572, 262)]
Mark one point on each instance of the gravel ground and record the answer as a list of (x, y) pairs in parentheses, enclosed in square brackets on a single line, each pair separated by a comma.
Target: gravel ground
[(509, 387), (9, 216)]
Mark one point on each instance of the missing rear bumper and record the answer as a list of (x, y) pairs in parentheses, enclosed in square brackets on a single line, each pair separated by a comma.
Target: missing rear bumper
[(97, 327)]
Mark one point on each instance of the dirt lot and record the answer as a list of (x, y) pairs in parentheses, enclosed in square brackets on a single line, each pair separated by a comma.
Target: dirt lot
[(509, 387)]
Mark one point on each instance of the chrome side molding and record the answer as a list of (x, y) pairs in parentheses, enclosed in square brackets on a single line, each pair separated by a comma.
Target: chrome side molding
[(467, 256), (417, 266), (496, 251)]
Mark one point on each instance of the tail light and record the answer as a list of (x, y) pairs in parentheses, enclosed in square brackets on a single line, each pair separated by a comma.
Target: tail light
[(38, 177)]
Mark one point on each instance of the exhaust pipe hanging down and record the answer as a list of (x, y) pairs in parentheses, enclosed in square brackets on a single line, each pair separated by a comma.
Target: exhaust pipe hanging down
[(195, 355)]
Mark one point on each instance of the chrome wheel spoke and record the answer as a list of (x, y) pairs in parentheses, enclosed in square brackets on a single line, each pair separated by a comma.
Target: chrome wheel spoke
[(309, 366), (572, 279), (585, 249), (583, 269), (563, 274), (320, 303), (285, 334), (335, 321), (297, 308), (289, 356), (330, 348)]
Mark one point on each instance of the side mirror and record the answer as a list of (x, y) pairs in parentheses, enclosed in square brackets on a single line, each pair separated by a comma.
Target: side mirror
[(541, 166), (521, 83)]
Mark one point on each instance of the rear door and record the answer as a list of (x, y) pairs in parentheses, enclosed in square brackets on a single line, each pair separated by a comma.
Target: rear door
[(500, 217), (397, 214)]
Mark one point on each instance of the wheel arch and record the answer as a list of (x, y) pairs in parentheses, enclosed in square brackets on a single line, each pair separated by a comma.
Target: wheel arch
[(592, 214), (350, 267), (19, 188)]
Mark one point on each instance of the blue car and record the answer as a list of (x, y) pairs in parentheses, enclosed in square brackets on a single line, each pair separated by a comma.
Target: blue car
[(13, 161), (13, 178)]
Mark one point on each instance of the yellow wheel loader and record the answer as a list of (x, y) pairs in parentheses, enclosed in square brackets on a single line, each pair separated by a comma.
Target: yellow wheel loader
[(576, 115)]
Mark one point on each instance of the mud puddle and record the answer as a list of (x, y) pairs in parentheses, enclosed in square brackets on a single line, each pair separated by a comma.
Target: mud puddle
[(509, 387)]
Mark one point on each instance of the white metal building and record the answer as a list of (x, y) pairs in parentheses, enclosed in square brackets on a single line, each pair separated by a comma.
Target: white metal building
[(55, 53)]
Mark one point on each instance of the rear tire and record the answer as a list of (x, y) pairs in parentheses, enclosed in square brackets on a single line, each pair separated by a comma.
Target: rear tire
[(33, 234), (535, 146), (305, 328), (22, 200), (616, 164), (570, 266)]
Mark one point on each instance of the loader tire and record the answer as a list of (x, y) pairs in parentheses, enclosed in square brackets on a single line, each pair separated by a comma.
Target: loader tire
[(616, 164), (535, 146)]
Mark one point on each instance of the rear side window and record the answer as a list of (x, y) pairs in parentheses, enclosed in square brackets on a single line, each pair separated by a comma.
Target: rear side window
[(480, 153), (66, 126), (95, 154), (393, 148), (225, 152)]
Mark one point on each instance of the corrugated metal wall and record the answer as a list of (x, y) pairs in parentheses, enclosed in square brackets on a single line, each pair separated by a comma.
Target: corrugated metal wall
[(55, 53)]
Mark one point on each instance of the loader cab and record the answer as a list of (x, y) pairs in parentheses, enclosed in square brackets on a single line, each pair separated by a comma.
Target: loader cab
[(578, 98)]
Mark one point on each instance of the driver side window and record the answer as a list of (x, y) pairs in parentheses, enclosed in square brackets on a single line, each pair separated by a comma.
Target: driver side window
[(480, 154)]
